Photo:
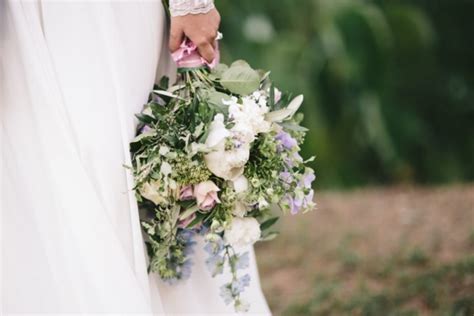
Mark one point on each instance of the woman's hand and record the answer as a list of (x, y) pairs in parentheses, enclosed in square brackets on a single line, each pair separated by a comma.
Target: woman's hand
[(201, 29)]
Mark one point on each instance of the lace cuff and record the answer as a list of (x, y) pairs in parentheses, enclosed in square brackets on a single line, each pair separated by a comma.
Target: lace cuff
[(184, 7)]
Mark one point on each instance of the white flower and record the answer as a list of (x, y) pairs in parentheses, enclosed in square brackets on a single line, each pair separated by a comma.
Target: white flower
[(150, 191), (227, 164), (262, 203), (249, 116), (163, 150), (217, 131), (241, 184), (242, 232), (165, 168)]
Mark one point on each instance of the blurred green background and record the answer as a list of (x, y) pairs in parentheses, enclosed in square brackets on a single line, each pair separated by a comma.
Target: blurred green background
[(389, 85), (389, 100)]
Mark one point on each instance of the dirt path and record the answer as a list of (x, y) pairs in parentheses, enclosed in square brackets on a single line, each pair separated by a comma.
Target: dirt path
[(354, 236)]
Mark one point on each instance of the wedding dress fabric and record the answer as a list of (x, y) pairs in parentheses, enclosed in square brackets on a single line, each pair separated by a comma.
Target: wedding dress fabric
[(72, 76)]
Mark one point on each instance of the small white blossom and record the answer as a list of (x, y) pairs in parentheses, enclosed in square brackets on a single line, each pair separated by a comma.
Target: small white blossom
[(241, 184), (165, 168), (227, 164), (163, 150)]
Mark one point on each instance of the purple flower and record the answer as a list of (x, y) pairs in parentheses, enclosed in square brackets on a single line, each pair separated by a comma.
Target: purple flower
[(286, 140), (286, 177), (307, 179), (294, 204), (309, 198), (145, 129)]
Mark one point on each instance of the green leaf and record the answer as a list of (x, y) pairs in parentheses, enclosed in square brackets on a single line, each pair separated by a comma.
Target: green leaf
[(143, 135), (240, 79), (240, 62), (288, 112), (190, 211), (292, 126), (147, 119), (268, 223), (269, 236), (214, 100), (219, 70)]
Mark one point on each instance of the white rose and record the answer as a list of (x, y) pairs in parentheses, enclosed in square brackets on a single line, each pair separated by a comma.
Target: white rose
[(227, 164), (242, 232)]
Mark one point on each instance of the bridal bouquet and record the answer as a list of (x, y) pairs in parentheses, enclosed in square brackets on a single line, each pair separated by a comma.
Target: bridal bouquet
[(215, 152)]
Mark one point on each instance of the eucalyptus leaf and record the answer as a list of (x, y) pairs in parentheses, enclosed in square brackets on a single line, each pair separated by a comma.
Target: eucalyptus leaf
[(143, 135), (240, 62), (219, 70), (240, 79), (167, 94), (214, 100)]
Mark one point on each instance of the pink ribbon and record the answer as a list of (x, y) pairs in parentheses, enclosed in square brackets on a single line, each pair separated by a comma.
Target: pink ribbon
[(187, 56)]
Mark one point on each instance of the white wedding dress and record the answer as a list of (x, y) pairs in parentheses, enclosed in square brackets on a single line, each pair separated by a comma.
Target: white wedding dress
[(72, 76)]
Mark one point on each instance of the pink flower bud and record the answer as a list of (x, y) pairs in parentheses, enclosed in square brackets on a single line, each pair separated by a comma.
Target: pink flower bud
[(186, 193)]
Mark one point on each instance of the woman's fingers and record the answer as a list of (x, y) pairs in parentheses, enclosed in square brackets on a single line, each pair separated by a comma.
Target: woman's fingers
[(201, 29), (176, 37), (206, 50)]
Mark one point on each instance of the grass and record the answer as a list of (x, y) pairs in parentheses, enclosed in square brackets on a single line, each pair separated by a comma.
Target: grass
[(393, 251)]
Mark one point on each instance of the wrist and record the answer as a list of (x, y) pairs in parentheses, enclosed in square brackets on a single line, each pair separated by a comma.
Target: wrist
[(184, 7)]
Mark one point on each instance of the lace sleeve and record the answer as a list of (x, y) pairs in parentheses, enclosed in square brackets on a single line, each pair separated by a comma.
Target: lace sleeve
[(184, 7)]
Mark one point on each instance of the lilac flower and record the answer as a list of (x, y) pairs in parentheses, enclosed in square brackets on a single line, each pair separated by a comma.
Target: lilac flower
[(145, 129), (307, 179), (286, 140), (309, 198), (294, 204), (286, 176)]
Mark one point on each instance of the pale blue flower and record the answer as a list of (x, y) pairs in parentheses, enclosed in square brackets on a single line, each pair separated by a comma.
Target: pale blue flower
[(242, 261), (226, 293), (215, 264)]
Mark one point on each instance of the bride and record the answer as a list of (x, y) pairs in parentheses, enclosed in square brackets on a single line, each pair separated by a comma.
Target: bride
[(73, 74)]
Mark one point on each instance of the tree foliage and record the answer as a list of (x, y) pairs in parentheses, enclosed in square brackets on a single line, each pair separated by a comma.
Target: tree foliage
[(388, 85)]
